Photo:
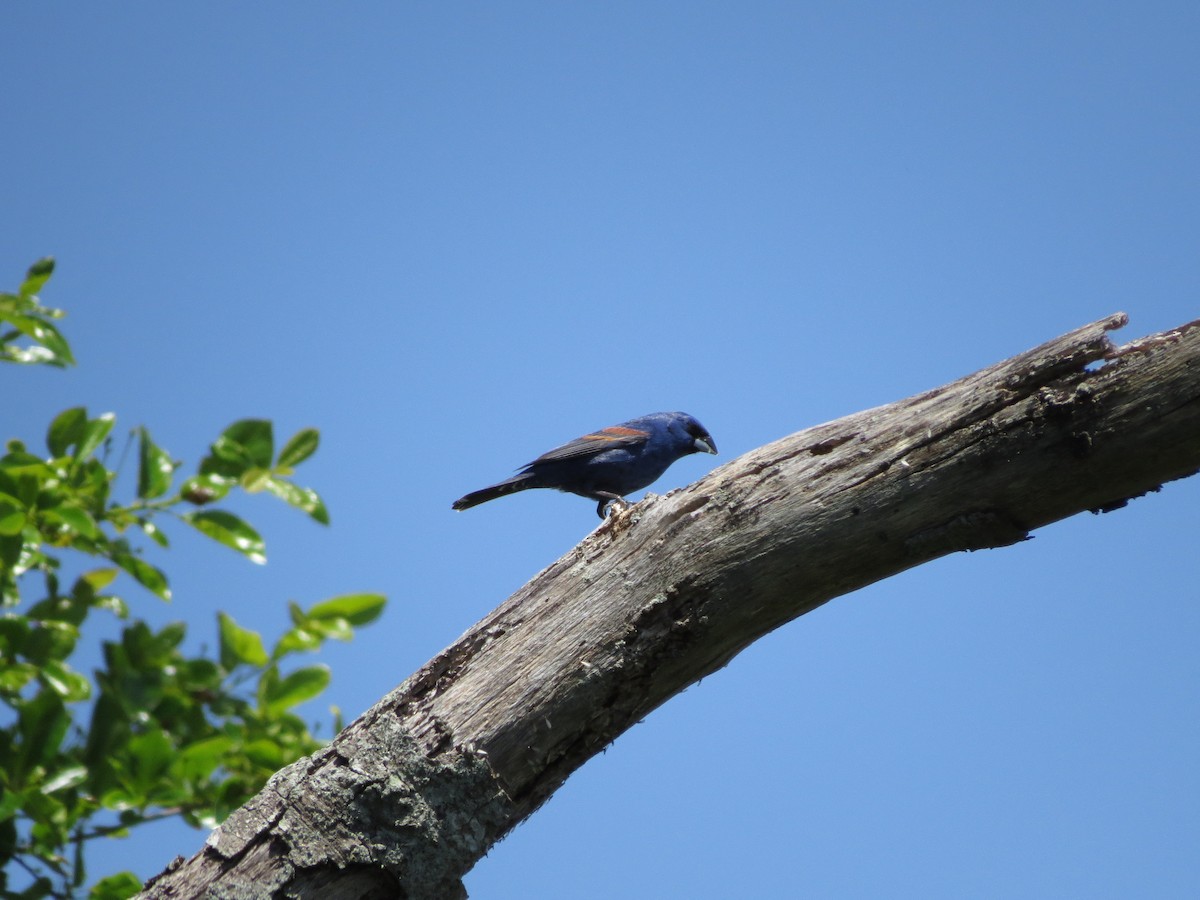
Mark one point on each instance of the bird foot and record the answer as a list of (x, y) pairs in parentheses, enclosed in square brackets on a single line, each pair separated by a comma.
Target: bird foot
[(611, 506)]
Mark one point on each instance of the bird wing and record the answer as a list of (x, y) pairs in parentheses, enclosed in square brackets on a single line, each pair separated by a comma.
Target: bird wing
[(596, 442)]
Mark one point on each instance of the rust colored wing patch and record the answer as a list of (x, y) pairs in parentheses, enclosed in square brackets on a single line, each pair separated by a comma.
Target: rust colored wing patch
[(616, 433), (596, 442)]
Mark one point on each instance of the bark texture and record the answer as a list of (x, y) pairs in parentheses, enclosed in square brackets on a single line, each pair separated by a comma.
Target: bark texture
[(406, 799)]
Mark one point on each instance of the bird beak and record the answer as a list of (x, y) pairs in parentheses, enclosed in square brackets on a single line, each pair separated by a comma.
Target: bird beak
[(705, 445)]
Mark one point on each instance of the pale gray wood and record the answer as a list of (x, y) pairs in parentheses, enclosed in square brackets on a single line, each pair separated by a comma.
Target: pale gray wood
[(408, 797)]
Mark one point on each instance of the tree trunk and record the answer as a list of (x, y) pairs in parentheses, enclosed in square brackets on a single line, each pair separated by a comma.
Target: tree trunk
[(412, 794)]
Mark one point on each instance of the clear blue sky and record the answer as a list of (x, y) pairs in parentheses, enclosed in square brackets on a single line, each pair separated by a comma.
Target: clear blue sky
[(452, 236)]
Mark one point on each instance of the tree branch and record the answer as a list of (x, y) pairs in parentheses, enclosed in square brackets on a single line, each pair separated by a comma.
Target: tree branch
[(412, 794)]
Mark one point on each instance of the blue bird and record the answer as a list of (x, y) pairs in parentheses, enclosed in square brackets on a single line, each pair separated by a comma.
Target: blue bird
[(607, 464)]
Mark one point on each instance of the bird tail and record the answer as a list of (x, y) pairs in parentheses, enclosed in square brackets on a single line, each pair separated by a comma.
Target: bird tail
[(483, 495)]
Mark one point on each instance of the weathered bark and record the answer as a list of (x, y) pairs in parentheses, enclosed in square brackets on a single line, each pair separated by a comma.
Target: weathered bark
[(412, 794)]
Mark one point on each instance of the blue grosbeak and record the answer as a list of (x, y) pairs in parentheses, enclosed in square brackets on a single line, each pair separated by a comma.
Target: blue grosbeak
[(607, 464)]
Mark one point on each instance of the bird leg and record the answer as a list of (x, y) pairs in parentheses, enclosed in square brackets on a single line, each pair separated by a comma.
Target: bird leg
[(608, 502)]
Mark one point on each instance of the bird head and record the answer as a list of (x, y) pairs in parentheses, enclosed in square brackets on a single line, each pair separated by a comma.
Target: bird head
[(702, 441)]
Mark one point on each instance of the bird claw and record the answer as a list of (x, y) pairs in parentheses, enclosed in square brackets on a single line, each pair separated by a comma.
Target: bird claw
[(610, 506)]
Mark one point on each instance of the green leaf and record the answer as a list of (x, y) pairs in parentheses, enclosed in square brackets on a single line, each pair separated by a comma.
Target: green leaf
[(202, 489), (337, 628), (94, 432), (244, 444), (50, 640), (14, 676), (145, 574), (302, 498), (301, 685), (155, 467), (99, 579), (70, 777), (10, 802), (171, 635), (39, 273), (150, 755), (115, 605), (26, 355), (91, 482), (14, 631), (58, 608), (228, 529), (264, 753), (17, 463), (199, 760), (297, 613), (12, 515), (65, 681), (200, 676), (357, 609), (296, 640), (299, 447), (53, 349), (86, 590), (121, 886), (153, 532), (254, 480), (240, 645), (107, 732), (74, 518), (41, 724), (51, 338), (66, 430)]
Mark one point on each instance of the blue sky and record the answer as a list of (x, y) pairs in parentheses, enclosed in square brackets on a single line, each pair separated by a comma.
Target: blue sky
[(453, 236)]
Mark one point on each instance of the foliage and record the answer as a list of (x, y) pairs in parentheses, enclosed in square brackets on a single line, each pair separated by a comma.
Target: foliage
[(155, 731), (32, 323)]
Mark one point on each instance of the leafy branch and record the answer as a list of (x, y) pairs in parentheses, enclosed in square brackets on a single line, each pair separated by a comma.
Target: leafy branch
[(155, 731)]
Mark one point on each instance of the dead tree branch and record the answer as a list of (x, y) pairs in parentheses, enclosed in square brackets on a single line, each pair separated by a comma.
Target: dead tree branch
[(412, 794)]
